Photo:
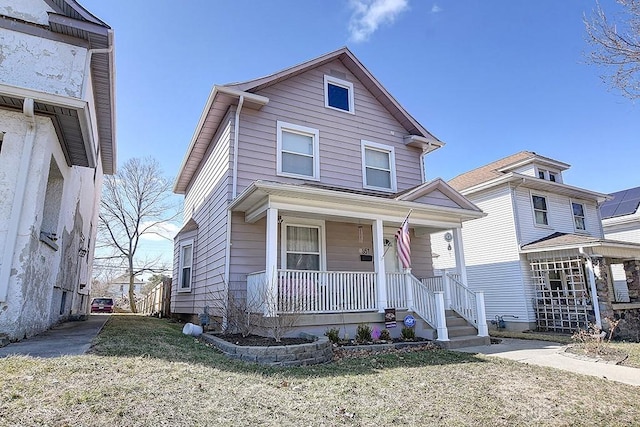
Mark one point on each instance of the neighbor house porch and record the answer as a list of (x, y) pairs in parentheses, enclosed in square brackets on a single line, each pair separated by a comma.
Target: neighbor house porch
[(330, 252)]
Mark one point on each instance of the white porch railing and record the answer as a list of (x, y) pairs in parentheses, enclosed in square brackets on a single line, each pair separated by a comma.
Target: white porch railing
[(305, 291), (465, 302), (396, 290), (434, 284)]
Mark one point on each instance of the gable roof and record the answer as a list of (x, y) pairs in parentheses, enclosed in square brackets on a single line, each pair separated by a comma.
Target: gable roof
[(357, 69), (575, 242), (71, 23), (623, 203), (224, 96), (494, 170)]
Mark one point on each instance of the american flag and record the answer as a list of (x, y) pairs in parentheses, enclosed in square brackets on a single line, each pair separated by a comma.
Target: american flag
[(404, 244)]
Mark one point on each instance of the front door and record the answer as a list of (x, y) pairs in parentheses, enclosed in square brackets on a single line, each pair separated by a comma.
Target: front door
[(391, 262)]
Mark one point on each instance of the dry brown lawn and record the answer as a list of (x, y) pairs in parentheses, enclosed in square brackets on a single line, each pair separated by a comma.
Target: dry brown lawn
[(144, 372)]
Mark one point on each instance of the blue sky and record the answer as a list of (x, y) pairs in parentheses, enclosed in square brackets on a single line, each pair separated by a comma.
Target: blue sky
[(487, 78)]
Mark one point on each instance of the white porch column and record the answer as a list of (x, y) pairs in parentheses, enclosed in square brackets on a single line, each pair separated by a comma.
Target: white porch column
[(378, 253), (592, 285), (458, 248), (447, 290), (271, 266)]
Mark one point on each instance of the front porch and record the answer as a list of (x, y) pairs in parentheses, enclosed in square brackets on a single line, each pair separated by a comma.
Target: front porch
[(304, 292), (331, 251)]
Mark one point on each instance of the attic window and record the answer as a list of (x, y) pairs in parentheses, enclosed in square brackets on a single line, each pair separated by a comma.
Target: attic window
[(338, 94), (548, 175)]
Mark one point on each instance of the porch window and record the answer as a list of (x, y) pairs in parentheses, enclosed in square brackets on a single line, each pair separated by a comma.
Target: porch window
[(298, 151), (186, 263), (302, 247), (578, 215), (540, 210), (378, 166)]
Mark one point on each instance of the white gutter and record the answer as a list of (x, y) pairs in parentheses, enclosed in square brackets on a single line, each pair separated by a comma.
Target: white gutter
[(592, 284), (87, 66), (236, 131), (423, 166), (18, 199)]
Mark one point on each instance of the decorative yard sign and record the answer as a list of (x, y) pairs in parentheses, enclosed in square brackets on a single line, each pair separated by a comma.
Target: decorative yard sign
[(390, 318), (409, 321)]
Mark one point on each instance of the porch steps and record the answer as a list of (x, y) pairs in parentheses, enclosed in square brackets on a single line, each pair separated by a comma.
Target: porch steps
[(461, 333)]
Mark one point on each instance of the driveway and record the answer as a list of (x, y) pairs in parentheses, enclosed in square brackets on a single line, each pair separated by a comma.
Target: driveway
[(69, 338)]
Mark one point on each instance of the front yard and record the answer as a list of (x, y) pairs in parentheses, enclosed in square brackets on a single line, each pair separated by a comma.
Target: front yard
[(143, 371)]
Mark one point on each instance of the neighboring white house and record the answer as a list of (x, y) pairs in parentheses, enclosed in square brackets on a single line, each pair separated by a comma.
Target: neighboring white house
[(539, 255), (295, 185), (57, 138), (621, 221)]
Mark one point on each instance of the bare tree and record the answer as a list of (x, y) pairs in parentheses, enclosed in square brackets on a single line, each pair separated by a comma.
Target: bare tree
[(135, 201), (616, 43)]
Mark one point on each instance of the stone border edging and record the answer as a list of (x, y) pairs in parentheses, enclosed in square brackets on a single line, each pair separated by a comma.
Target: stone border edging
[(316, 352)]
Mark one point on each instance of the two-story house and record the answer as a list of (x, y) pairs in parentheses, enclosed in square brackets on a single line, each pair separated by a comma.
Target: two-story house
[(295, 185), (57, 138), (539, 255)]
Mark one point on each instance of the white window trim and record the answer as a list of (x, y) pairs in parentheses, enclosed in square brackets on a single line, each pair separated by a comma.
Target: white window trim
[(392, 164), (303, 222), (343, 83), (533, 210), (584, 217), (181, 266), (303, 130)]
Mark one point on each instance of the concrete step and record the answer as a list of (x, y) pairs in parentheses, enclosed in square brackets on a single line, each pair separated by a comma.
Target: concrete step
[(463, 341), (455, 321), (461, 331)]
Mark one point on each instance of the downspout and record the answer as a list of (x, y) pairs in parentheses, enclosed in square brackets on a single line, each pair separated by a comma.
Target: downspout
[(234, 193), (18, 198), (423, 166), (514, 207), (592, 284), (87, 65)]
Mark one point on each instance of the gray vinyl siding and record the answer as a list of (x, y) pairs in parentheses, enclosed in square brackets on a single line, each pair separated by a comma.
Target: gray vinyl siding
[(300, 100), (560, 216), (206, 202), (629, 235), (248, 250)]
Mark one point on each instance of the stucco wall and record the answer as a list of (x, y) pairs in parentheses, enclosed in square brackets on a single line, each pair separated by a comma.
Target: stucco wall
[(40, 274), (41, 64), (29, 10)]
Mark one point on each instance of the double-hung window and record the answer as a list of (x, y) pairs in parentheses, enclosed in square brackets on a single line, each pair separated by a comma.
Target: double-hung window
[(540, 210), (578, 216), (378, 166), (303, 245), (298, 151), (338, 94), (186, 266)]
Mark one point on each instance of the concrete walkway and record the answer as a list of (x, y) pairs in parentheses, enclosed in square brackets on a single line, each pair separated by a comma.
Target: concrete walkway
[(551, 354), (69, 338)]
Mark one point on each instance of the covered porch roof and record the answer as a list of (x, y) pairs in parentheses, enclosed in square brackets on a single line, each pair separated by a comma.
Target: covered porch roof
[(567, 243), (348, 205)]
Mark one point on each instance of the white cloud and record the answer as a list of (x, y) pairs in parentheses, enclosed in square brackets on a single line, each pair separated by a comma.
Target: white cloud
[(368, 15), (161, 232), (436, 9)]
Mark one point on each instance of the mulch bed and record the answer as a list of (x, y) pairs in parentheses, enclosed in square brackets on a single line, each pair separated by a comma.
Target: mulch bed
[(258, 341), (608, 354)]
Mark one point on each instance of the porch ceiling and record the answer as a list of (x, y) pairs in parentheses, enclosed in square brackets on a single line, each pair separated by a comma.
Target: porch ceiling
[(344, 205)]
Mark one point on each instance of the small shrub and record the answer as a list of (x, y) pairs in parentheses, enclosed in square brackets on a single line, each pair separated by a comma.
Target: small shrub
[(363, 333), (385, 335), (594, 340), (408, 334), (333, 334)]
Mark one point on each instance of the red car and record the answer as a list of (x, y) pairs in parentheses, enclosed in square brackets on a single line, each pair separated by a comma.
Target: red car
[(102, 305)]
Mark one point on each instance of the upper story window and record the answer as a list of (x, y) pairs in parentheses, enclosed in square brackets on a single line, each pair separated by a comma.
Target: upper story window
[(578, 215), (378, 166), (540, 210), (186, 264), (338, 94), (548, 175), (298, 151)]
